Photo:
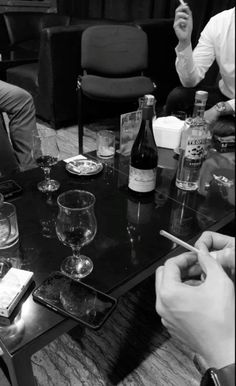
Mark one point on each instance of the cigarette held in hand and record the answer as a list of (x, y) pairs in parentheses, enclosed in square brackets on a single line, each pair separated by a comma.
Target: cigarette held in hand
[(183, 243), (182, 2)]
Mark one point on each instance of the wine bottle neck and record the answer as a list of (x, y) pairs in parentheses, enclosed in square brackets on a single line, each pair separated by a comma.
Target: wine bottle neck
[(147, 113)]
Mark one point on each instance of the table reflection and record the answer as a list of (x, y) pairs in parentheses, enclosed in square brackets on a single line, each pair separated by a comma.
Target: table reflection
[(218, 169), (139, 213), (12, 330), (183, 215)]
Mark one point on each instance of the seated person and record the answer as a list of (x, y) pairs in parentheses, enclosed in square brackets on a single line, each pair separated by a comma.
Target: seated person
[(217, 42), (201, 313), (15, 149)]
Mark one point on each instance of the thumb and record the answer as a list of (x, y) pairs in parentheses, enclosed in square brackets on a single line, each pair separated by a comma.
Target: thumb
[(208, 263)]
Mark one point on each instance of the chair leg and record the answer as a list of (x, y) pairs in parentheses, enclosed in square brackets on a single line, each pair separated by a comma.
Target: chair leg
[(80, 119)]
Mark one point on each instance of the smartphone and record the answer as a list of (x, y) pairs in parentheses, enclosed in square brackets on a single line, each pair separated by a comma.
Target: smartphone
[(10, 188), (75, 299)]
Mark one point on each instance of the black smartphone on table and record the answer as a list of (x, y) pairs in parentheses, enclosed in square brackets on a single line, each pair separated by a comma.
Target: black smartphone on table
[(10, 188), (75, 299)]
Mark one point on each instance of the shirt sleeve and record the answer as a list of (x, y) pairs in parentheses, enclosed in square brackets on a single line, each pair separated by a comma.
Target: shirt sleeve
[(232, 103), (191, 65)]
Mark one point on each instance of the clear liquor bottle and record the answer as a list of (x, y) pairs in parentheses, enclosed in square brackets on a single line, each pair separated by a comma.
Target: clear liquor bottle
[(193, 145), (144, 157)]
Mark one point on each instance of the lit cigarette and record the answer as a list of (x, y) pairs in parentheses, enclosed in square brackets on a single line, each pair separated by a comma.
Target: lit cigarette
[(182, 2), (178, 241)]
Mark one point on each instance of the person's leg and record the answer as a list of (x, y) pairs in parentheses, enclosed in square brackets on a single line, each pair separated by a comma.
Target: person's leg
[(8, 161), (19, 106)]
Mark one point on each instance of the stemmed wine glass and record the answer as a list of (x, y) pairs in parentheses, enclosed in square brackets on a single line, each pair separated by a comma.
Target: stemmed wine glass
[(46, 154), (76, 226)]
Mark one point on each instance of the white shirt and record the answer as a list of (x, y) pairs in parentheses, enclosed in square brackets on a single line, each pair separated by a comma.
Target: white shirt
[(217, 41)]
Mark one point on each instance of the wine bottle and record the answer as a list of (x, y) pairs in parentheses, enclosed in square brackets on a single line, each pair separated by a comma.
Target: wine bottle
[(144, 156), (193, 145)]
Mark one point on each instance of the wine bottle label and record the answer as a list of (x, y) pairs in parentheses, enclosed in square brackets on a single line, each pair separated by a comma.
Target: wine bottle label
[(142, 181), (195, 152)]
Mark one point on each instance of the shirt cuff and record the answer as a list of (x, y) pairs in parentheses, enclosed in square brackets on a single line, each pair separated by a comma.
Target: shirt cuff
[(187, 52), (231, 102)]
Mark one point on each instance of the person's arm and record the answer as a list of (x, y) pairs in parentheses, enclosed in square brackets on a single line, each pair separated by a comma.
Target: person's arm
[(219, 110), (192, 65)]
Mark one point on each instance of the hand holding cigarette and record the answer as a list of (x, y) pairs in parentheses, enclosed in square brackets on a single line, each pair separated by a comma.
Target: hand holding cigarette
[(183, 23)]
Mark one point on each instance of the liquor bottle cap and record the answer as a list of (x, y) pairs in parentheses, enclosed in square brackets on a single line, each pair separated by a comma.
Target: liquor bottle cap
[(149, 100), (202, 95)]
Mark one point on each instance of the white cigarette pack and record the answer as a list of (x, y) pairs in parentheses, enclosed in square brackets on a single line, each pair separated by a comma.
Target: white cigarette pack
[(12, 287)]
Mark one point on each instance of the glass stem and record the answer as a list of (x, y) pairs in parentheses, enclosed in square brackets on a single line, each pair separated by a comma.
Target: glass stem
[(76, 252), (47, 174)]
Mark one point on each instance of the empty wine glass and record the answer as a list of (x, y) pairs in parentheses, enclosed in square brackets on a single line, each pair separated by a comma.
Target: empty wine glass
[(46, 154), (76, 226)]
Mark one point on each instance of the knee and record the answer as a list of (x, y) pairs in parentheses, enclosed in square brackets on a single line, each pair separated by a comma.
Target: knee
[(24, 99)]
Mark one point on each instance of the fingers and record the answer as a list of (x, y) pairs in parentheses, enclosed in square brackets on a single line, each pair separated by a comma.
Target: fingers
[(226, 257), (212, 240), (176, 266), (182, 14), (159, 275), (209, 265)]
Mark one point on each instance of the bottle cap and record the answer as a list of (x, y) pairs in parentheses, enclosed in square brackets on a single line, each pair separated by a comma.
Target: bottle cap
[(149, 100), (202, 95)]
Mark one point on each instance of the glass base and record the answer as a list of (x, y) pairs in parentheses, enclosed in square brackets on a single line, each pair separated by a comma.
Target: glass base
[(77, 268), (48, 186)]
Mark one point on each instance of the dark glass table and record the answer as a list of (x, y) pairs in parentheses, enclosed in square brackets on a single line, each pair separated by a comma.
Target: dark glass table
[(125, 251)]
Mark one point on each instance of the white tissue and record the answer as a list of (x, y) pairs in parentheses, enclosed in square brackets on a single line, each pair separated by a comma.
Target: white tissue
[(167, 131)]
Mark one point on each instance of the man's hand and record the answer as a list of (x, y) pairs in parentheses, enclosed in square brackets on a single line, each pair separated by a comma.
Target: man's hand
[(183, 26), (223, 247), (211, 115), (201, 316)]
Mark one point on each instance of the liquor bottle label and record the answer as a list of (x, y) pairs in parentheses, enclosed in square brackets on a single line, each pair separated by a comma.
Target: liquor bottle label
[(195, 152), (142, 181)]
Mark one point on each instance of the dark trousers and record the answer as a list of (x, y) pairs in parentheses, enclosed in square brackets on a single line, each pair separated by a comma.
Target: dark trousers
[(182, 99)]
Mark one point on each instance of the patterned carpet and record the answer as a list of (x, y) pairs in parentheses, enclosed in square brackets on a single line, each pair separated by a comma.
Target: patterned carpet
[(132, 348)]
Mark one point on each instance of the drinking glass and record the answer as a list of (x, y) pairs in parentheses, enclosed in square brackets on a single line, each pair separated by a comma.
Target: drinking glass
[(46, 154), (76, 226)]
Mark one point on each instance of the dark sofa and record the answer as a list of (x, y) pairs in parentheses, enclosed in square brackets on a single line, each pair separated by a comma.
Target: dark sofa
[(52, 80)]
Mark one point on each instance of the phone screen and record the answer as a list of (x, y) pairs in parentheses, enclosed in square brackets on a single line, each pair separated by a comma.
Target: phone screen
[(75, 299), (9, 188)]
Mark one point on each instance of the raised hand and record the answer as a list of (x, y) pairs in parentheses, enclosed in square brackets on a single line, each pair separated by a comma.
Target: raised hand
[(183, 25)]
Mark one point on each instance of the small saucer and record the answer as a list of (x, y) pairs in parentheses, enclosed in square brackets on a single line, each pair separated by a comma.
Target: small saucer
[(84, 167)]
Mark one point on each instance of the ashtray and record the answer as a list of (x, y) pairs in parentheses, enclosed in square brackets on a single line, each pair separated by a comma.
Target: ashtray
[(84, 167)]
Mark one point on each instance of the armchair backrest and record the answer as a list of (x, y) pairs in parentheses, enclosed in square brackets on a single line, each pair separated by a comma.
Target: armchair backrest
[(114, 49), (25, 26), (22, 26)]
